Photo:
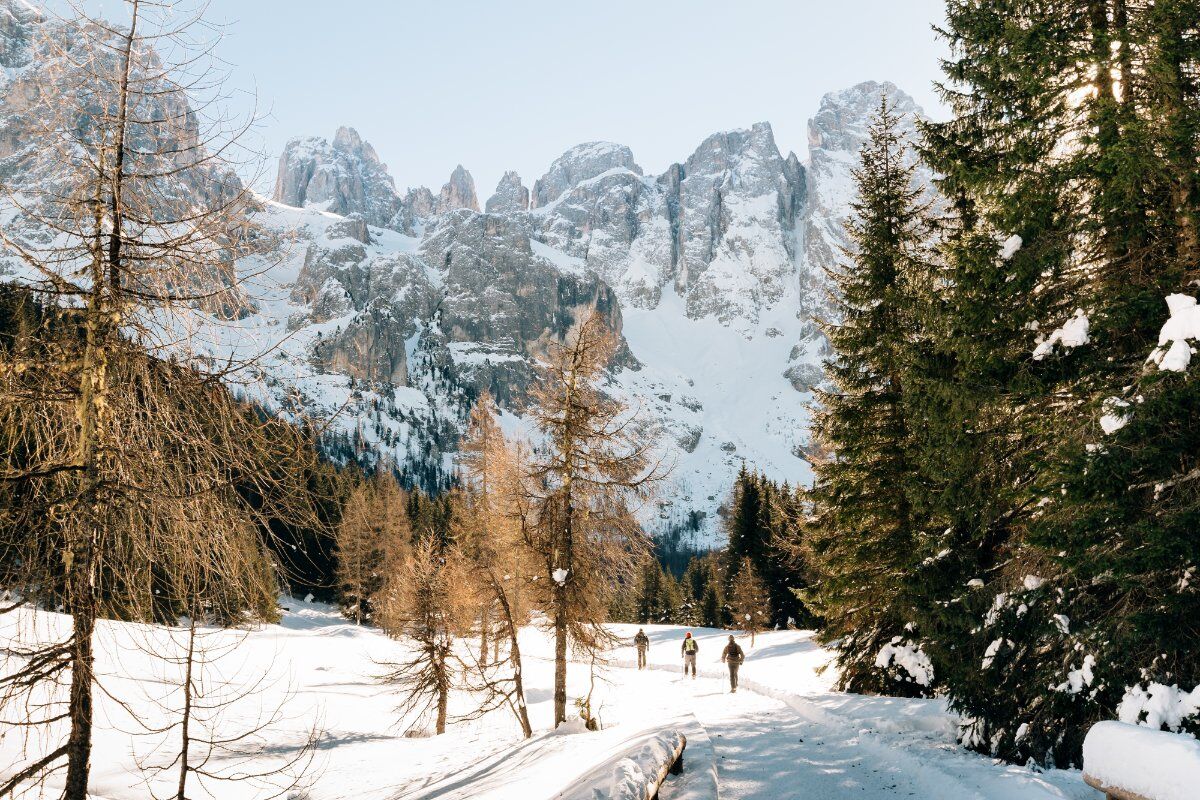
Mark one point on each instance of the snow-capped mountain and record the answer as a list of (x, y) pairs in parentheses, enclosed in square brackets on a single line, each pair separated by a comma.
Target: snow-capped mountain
[(388, 311), (713, 272)]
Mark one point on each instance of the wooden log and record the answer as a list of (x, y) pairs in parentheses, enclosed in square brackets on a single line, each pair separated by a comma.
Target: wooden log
[(1112, 792), (672, 766)]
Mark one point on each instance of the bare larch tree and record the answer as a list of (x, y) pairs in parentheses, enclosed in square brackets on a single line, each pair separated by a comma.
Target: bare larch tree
[(581, 489), (488, 531), (133, 459)]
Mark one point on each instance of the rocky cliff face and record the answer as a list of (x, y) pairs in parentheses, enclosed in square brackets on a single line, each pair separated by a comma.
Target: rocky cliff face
[(458, 192), (581, 163), (718, 229)]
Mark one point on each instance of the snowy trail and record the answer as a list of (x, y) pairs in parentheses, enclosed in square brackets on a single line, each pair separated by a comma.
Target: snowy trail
[(785, 734), (764, 749), (777, 745)]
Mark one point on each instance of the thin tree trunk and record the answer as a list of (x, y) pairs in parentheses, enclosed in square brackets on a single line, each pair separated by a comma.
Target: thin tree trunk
[(185, 735), (515, 656), (560, 655), (484, 621), (443, 701), (79, 743), (561, 612)]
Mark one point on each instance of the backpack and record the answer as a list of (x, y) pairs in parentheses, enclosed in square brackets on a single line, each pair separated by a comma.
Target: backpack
[(689, 645), (736, 654)]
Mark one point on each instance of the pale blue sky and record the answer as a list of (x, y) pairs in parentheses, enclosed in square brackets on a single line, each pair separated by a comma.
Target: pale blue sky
[(510, 84)]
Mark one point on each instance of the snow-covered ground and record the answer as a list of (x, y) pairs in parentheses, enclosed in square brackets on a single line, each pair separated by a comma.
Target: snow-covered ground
[(785, 734)]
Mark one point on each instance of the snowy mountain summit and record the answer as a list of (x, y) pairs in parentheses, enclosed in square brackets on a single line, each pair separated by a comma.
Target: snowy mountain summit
[(713, 272), (389, 311)]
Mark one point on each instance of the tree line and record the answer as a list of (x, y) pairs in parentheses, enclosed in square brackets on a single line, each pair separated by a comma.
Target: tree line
[(755, 582), (1005, 510)]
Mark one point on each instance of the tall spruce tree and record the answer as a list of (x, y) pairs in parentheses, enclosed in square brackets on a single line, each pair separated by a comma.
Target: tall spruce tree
[(1074, 129), (864, 528)]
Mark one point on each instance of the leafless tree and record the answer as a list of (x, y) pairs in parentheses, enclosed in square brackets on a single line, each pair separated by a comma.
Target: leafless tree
[(426, 602), (132, 462), (201, 734), (580, 493), (489, 535)]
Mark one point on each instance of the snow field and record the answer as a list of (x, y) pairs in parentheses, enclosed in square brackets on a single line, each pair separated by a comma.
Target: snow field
[(785, 734)]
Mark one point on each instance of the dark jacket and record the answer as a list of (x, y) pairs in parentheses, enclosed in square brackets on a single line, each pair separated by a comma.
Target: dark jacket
[(733, 653), (641, 640), (683, 648)]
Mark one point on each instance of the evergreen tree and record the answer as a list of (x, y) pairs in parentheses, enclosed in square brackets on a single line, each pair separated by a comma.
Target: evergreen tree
[(1063, 454), (758, 526), (658, 596), (750, 602), (864, 531)]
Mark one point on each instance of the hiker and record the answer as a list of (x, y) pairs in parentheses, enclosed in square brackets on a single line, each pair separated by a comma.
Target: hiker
[(689, 649), (733, 655), (642, 643)]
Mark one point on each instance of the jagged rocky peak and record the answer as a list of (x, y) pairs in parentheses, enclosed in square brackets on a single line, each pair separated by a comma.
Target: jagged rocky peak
[(581, 163), (345, 177), (842, 120), (459, 192), (751, 150), (511, 196)]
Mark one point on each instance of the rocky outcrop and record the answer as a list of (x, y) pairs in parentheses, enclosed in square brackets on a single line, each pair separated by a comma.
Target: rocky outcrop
[(345, 177), (370, 348), (18, 20), (737, 207), (458, 192), (499, 294), (482, 301), (511, 196), (581, 163)]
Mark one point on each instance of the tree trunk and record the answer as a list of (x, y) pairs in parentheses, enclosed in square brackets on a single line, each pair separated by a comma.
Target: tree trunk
[(515, 655), (560, 654), (185, 736), (484, 621), (79, 743), (443, 701)]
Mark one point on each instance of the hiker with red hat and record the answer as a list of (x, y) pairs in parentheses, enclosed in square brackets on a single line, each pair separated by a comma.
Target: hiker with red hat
[(690, 648)]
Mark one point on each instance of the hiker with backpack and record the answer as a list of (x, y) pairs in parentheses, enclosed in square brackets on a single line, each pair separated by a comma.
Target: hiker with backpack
[(642, 643), (689, 649), (733, 656)]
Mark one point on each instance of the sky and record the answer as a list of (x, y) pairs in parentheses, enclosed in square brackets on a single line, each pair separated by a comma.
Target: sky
[(511, 84)]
